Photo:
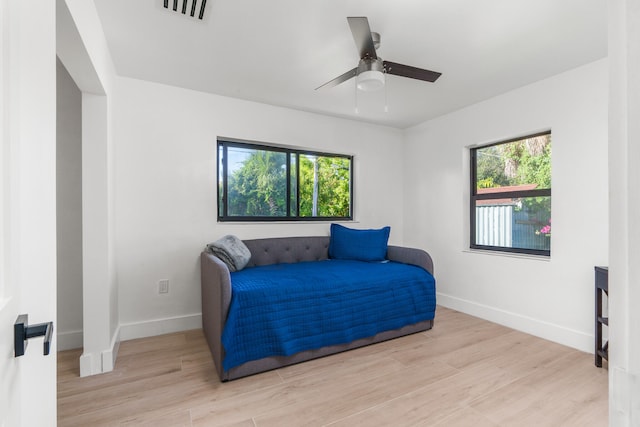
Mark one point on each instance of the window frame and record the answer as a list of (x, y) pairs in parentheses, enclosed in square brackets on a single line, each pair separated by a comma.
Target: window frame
[(222, 213), (475, 197)]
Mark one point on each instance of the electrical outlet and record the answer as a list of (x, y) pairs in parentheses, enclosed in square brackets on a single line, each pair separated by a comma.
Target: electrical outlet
[(163, 287)]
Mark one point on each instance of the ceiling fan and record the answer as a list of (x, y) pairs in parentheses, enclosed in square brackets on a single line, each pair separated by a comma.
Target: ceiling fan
[(370, 70)]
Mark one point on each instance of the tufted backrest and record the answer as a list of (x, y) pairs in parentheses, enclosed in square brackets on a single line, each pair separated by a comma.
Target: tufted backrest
[(279, 250)]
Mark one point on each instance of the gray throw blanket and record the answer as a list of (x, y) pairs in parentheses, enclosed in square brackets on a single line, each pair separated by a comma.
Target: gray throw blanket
[(232, 251)]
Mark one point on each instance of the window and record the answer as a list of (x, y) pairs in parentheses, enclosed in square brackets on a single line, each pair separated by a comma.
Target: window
[(511, 195), (265, 183)]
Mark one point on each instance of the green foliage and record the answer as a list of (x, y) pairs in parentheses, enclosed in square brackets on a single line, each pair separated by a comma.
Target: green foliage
[(532, 168), (333, 186), (258, 187), (487, 183), (526, 161), (535, 169), (490, 168)]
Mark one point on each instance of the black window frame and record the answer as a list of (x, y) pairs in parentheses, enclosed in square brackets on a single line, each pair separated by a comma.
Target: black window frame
[(546, 192), (222, 214)]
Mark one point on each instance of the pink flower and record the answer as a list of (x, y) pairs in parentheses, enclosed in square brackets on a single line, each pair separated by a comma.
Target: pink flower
[(546, 230)]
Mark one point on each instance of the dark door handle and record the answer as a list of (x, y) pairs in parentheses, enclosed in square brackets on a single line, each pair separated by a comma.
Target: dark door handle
[(22, 332)]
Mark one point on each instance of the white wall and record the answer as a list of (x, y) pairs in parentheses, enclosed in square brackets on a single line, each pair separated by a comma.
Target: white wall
[(165, 160), (82, 48), (69, 209), (550, 298)]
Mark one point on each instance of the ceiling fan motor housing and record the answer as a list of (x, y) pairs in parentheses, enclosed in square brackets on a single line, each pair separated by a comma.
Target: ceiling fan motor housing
[(369, 75), (368, 64)]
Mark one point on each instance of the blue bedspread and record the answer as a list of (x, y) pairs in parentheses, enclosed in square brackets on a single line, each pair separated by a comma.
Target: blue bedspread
[(282, 309)]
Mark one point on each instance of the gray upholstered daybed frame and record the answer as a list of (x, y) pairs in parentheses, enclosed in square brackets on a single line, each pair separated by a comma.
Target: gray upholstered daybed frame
[(216, 297)]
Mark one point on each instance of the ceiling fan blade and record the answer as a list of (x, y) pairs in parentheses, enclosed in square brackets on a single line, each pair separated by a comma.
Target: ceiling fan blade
[(342, 78), (362, 36), (411, 72)]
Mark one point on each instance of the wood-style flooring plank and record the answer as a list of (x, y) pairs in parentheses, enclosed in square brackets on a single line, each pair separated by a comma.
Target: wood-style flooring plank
[(463, 372)]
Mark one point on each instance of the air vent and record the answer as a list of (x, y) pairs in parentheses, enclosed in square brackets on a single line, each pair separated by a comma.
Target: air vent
[(187, 7)]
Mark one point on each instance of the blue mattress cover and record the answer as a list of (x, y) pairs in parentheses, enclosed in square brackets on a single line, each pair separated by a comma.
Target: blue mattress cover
[(282, 309)]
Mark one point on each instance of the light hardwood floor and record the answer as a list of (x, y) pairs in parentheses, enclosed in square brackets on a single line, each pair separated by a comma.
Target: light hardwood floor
[(464, 372)]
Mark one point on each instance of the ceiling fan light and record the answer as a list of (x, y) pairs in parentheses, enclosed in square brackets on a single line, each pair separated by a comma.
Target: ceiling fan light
[(370, 80)]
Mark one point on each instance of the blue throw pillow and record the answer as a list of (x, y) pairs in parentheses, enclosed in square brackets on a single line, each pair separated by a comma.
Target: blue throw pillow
[(359, 245)]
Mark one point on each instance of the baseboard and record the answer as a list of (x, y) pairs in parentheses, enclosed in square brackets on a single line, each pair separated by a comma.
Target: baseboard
[(109, 356), (549, 331), (69, 340), (98, 363), (91, 364), (150, 328)]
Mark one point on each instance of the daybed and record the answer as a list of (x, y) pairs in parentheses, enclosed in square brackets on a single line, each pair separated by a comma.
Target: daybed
[(217, 291)]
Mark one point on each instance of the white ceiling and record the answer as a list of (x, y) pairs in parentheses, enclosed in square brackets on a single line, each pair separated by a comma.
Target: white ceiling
[(278, 51)]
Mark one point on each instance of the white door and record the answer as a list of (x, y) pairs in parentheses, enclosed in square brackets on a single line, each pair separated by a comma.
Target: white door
[(27, 207)]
